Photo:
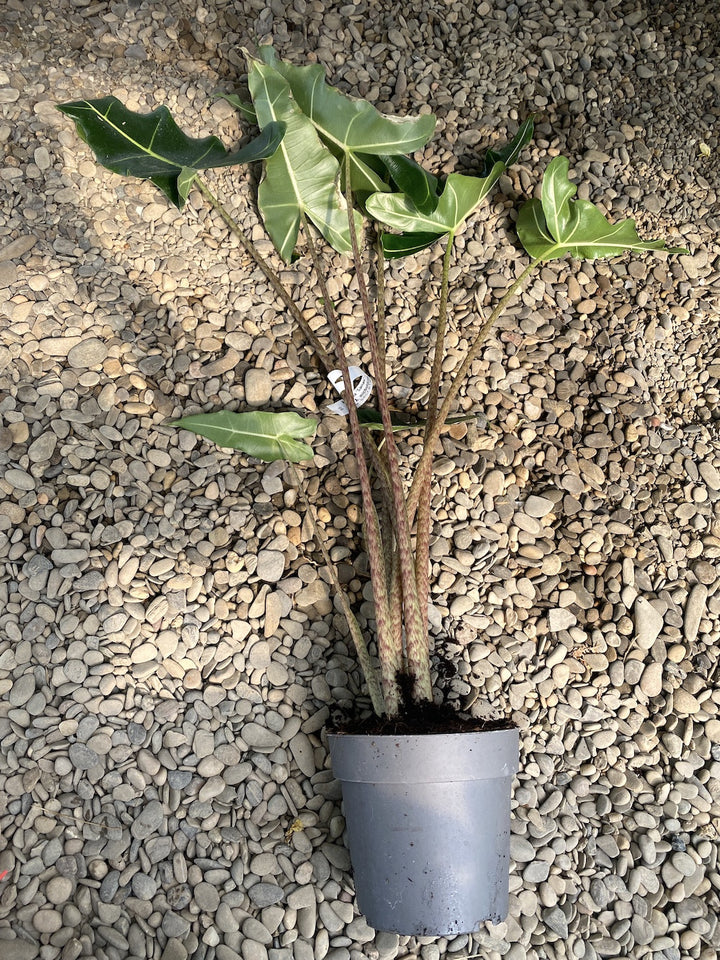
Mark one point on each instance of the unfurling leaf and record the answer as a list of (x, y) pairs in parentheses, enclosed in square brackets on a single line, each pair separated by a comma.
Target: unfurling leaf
[(152, 146), (419, 186), (266, 436), (556, 224), (508, 154)]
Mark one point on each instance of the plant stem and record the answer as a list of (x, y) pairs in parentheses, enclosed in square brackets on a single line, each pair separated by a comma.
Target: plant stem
[(416, 636), (363, 654), (439, 338), (380, 307), (372, 525), (424, 467), (275, 281), (422, 532)]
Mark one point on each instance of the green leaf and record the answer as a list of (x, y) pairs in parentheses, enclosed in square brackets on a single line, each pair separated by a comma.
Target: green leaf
[(371, 419), (347, 125), (246, 109), (508, 154), (302, 177), (402, 244), (266, 436), (151, 145), (460, 197), (556, 225), (419, 186)]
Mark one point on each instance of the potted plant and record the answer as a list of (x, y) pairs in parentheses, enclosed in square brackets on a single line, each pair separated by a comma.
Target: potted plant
[(426, 792)]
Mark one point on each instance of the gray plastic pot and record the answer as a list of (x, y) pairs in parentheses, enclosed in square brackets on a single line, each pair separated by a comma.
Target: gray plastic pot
[(428, 827)]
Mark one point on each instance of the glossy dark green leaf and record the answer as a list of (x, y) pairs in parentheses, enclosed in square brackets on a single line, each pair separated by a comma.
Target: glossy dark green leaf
[(509, 153), (371, 419), (556, 225), (151, 145), (403, 244), (264, 435), (419, 186)]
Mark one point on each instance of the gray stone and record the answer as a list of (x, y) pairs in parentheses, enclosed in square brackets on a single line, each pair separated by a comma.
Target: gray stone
[(179, 779), (648, 623), (22, 690), (651, 680), (265, 894), (303, 754), (19, 479), (561, 618), (206, 897), (82, 757), (147, 822), (694, 610), (173, 925), (556, 921), (17, 248), (19, 950), (174, 950), (143, 886), (270, 565), (538, 506), (521, 850), (259, 737), (258, 386), (88, 353)]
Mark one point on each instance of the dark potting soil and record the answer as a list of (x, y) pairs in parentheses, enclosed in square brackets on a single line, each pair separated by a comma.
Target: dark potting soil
[(415, 718)]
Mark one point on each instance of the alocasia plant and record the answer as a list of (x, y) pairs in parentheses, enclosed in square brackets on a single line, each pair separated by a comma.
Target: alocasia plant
[(331, 163)]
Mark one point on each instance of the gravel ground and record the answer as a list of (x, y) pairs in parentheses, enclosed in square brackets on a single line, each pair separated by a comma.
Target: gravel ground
[(169, 649)]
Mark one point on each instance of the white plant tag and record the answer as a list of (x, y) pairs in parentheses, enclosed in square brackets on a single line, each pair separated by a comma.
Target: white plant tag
[(362, 387)]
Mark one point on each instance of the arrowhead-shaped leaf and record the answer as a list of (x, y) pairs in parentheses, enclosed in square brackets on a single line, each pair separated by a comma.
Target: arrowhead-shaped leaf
[(151, 145), (460, 197), (302, 177), (556, 225), (349, 126), (266, 436), (508, 154)]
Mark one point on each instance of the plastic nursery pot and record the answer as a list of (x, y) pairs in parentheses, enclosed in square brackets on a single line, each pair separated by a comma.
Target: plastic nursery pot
[(428, 827)]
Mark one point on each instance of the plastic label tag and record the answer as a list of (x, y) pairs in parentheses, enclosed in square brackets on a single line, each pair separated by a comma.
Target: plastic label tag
[(362, 387)]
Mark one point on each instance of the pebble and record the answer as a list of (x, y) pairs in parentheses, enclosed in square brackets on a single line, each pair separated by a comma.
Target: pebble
[(265, 894), (20, 950), (148, 821), (82, 756), (47, 921), (87, 354), (206, 897), (270, 565), (694, 610), (651, 680), (59, 889), (259, 737), (561, 619), (258, 387), (648, 623)]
